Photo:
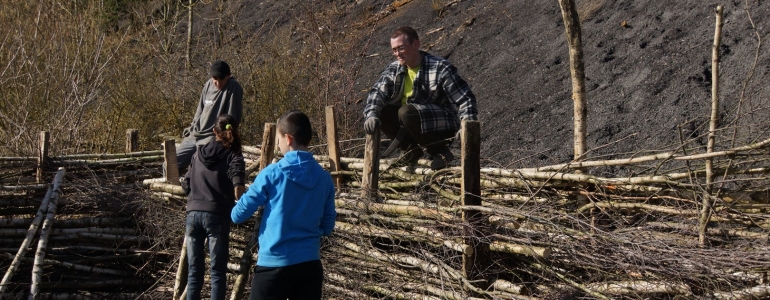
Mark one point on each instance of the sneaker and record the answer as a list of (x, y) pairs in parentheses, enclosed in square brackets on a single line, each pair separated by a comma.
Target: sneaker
[(442, 159)]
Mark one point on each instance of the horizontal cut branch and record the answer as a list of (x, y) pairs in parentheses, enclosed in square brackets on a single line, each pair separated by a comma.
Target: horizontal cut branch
[(640, 288), (77, 267), (108, 156), (757, 292)]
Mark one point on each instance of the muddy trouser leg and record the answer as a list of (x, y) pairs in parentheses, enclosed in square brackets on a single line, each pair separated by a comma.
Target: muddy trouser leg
[(390, 125), (434, 142), (411, 152), (184, 153)]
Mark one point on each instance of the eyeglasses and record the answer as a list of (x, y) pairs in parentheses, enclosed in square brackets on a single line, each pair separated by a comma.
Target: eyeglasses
[(400, 49)]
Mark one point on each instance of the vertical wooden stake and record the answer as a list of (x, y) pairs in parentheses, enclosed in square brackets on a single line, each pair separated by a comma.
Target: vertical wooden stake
[(577, 70), (268, 145), (470, 139), (246, 260), (705, 213), (180, 284), (172, 170), (42, 157), (268, 153), (132, 140), (189, 33), (371, 176), (334, 145)]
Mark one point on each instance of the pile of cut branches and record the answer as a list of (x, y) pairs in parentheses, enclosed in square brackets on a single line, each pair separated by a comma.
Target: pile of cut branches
[(90, 233), (556, 234), (553, 233)]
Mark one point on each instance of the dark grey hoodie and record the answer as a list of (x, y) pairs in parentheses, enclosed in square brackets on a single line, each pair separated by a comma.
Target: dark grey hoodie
[(214, 102), (210, 181)]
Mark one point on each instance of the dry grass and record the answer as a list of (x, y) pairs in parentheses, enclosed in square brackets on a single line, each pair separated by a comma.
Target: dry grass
[(587, 9), (87, 72)]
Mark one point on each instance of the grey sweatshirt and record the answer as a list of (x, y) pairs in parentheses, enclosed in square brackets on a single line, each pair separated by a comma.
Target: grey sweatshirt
[(213, 103)]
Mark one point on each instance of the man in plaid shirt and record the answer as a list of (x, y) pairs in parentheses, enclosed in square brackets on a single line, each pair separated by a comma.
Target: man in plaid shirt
[(424, 95)]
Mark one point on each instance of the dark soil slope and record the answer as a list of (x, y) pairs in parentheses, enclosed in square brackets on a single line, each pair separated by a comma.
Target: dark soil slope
[(648, 69), (643, 80)]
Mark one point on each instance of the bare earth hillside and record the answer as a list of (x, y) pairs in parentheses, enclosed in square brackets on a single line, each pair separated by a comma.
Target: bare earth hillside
[(644, 79), (648, 67)]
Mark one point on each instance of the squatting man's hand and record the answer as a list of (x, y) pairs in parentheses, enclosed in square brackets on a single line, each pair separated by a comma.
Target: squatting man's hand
[(457, 135), (371, 124)]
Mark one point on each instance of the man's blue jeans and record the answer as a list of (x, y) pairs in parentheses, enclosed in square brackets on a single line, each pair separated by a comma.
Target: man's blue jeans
[(201, 225)]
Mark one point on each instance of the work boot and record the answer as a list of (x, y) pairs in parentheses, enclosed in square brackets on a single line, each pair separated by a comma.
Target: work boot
[(409, 158), (442, 159), (413, 154)]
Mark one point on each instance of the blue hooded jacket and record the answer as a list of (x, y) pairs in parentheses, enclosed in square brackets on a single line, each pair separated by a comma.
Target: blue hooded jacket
[(298, 196)]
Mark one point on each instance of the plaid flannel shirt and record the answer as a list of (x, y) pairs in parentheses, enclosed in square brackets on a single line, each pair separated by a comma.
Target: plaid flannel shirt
[(438, 92)]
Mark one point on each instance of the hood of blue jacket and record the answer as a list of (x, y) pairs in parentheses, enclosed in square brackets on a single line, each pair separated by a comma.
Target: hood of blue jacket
[(296, 166)]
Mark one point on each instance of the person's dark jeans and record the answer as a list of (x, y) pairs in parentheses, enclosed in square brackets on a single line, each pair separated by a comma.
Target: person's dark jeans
[(393, 116), (201, 225), (303, 281)]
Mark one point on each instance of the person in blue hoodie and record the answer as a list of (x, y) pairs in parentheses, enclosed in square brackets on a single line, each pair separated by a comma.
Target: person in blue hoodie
[(212, 183), (298, 199)]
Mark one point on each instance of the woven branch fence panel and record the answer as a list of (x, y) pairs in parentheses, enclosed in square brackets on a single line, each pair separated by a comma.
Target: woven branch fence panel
[(546, 232), (549, 233)]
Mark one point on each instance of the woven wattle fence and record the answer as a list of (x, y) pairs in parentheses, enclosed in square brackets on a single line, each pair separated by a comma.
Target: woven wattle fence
[(79, 227), (540, 233), (460, 233)]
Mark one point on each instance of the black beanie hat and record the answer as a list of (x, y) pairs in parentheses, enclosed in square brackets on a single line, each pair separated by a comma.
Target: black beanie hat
[(219, 69)]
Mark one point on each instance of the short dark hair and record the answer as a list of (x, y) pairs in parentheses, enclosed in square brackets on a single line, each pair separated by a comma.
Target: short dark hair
[(411, 34), (298, 125), (219, 69)]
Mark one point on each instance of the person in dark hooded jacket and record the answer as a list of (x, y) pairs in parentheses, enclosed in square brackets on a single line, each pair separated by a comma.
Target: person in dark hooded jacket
[(214, 180), (298, 196)]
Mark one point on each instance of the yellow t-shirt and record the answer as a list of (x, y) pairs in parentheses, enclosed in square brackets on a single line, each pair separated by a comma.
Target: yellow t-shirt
[(411, 73)]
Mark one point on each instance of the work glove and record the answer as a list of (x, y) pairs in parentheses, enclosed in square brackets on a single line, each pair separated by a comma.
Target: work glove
[(185, 185), (457, 134), (371, 124)]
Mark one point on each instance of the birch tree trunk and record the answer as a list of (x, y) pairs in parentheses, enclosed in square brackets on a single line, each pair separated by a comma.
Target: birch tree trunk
[(577, 70), (180, 283), (31, 232), (42, 244), (189, 31), (269, 143), (713, 124)]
